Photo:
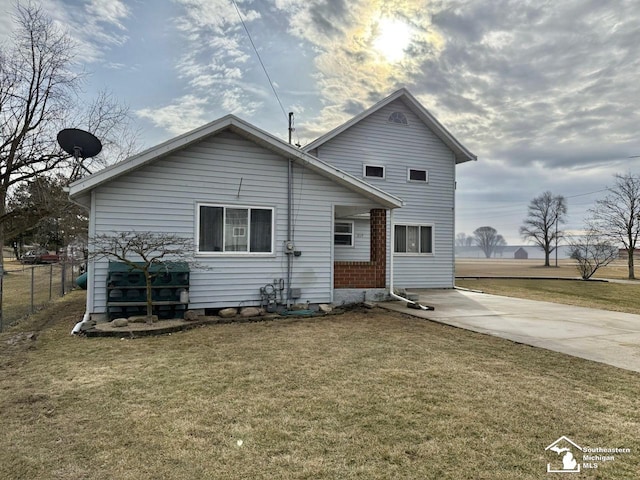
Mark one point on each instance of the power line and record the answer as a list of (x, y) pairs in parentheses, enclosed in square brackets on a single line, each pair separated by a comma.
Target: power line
[(517, 206), (259, 58), (588, 193)]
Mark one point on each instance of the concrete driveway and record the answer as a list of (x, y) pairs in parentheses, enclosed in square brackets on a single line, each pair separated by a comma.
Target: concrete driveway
[(599, 335)]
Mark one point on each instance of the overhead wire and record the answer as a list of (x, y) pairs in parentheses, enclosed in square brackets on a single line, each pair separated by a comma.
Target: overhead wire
[(264, 68), (519, 206)]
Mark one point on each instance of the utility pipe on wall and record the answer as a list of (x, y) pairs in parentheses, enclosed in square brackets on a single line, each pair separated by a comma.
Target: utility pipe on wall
[(391, 292), (289, 229)]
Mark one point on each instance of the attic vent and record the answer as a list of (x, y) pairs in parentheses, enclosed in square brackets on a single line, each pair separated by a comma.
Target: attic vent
[(398, 117)]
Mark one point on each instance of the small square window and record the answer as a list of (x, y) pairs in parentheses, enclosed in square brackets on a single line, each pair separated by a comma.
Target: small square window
[(417, 175), (374, 171)]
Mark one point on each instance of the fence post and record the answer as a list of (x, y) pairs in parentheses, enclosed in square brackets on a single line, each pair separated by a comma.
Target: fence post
[(63, 278), (50, 281), (32, 287)]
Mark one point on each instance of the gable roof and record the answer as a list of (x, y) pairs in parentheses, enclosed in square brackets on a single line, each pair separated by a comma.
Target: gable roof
[(460, 151), (232, 123)]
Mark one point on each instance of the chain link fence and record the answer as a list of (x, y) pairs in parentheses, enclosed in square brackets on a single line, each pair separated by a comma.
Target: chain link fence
[(26, 288)]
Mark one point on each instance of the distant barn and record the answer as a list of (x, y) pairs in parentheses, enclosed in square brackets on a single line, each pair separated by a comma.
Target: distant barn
[(521, 254), (623, 254)]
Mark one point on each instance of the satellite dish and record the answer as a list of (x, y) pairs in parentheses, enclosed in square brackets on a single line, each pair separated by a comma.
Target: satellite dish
[(79, 143)]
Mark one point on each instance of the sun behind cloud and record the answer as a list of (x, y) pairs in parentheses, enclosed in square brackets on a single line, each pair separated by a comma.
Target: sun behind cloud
[(392, 39)]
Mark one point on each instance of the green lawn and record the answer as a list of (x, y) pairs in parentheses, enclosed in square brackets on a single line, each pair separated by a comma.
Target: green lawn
[(365, 395)]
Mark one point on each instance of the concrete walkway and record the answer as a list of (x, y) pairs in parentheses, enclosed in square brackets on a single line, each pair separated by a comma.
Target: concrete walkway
[(599, 335)]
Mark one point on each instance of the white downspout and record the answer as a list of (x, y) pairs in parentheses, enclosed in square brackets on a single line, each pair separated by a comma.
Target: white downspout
[(391, 292), (86, 318)]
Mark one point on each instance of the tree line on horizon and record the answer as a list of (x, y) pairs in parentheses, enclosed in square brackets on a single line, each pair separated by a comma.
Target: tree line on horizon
[(611, 225)]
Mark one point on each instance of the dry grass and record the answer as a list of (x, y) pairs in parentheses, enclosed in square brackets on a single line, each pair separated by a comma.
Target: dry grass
[(608, 296), (17, 285), (469, 267), (370, 395)]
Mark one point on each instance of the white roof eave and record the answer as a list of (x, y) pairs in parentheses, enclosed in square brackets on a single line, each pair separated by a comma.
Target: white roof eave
[(86, 184), (462, 154)]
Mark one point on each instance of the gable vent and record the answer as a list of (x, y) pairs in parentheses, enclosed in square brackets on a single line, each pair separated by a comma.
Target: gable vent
[(398, 117)]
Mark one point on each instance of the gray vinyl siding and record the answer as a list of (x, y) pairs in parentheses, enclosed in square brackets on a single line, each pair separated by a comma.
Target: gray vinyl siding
[(376, 141), (163, 197)]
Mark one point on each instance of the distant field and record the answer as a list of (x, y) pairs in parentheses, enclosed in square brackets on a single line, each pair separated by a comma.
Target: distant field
[(621, 297), (498, 267)]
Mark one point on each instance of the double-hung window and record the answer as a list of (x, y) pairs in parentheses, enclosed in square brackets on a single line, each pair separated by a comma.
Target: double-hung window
[(230, 229), (413, 239), (343, 234)]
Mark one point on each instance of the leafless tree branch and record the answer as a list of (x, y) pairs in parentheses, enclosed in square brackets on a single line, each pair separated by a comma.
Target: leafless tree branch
[(142, 251), (617, 216), (545, 212), (591, 252)]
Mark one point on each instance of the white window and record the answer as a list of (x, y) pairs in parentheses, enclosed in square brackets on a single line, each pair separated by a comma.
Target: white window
[(417, 239), (417, 175), (373, 171), (398, 117), (343, 234), (223, 229)]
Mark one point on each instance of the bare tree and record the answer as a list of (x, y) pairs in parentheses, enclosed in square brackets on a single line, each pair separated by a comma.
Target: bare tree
[(463, 240), (617, 216), (488, 239), (38, 97), (591, 252), (143, 252), (541, 225)]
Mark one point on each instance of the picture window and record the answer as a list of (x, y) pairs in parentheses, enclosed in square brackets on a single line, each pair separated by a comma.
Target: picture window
[(417, 239), (224, 229)]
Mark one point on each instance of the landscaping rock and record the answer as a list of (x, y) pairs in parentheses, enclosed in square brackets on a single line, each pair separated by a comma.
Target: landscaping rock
[(228, 312), (143, 319), (324, 308), (300, 306), (251, 312), (120, 322), (190, 315), (138, 319)]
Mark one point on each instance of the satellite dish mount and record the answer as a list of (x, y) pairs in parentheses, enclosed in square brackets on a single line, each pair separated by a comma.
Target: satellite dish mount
[(80, 144)]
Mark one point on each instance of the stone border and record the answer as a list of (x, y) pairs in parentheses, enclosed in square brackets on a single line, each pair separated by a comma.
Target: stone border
[(137, 330)]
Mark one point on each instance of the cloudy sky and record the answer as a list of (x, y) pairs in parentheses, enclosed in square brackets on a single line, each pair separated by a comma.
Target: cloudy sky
[(545, 93)]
